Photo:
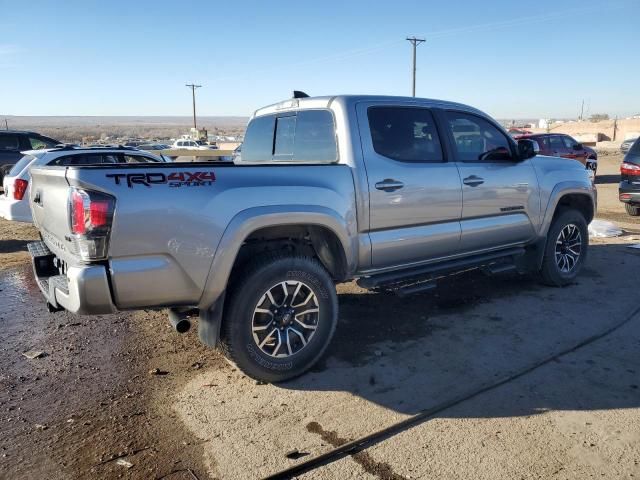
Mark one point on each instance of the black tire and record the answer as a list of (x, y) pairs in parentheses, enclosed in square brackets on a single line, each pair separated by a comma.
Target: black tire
[(4, 170), (553, 273), (632, 210), (249, 292)]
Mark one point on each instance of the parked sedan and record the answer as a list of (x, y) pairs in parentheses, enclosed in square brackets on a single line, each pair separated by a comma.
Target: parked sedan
[(629, 191), (561, 145), (14, 204)]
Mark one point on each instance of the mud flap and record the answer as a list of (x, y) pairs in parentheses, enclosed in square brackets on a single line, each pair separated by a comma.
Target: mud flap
[(209, 323), (531, 261)]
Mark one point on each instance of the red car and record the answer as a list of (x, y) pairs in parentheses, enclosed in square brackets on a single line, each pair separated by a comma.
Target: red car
[(561, 145)]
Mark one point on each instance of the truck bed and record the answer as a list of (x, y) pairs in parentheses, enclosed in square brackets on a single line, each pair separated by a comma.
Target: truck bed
[(170, 217)]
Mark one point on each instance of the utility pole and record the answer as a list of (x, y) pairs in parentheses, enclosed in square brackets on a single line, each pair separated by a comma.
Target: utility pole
[(414, 42), (193, 87), (6, 124), (582, 109)]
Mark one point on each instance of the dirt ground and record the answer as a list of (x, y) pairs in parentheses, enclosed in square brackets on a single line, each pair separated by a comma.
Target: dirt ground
[(124, 396)]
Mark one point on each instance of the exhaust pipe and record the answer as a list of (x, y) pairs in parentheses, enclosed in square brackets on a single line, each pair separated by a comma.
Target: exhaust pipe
[(179, 320)]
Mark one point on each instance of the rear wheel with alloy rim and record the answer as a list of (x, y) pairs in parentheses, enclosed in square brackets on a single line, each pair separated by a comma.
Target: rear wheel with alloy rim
[(566, 248), (632, 210), (280, 318)]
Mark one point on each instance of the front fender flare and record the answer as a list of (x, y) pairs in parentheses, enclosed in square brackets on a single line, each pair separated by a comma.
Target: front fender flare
[(559, 191)]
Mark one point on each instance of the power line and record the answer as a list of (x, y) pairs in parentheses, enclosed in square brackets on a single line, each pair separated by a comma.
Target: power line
[(414, 42), (193, 95)]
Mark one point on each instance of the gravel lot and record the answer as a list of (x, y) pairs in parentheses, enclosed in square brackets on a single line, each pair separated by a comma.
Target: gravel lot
[(125, 388)]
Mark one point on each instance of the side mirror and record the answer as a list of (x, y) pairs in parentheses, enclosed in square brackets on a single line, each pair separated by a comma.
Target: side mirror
[(527, 149), (577, 146)]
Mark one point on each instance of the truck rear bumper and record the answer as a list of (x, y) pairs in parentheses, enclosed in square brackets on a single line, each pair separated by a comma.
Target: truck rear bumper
[(83, 290)]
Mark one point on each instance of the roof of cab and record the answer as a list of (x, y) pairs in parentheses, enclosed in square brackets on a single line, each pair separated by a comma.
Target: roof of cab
[(293, 104)]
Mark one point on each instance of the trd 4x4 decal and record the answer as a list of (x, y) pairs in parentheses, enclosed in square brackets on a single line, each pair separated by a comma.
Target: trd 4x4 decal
[(175, 179)]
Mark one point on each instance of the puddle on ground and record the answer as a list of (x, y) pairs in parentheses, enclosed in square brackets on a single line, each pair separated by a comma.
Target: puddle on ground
[(19, 296)]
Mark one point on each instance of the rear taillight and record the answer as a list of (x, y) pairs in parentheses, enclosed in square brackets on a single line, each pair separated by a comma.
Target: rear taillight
[(19, 189), (629, 169), (78, 224), (90, 216)]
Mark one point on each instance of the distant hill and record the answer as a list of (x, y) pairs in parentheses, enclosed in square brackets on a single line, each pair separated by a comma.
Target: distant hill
[(75, 128), (69, 121)]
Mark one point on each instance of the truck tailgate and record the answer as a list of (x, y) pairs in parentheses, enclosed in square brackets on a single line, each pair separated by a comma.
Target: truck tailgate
[(49, 196)]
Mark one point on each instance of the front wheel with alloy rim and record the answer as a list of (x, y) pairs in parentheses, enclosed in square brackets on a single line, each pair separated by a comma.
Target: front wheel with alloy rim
[(281, 315), (566, 248)]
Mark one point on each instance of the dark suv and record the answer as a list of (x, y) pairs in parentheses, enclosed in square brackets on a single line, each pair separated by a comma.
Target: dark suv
[(561, 145), (12, 142), (629, 192)]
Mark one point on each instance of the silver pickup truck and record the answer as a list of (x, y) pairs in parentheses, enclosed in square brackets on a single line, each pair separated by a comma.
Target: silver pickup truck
[(395, 192)]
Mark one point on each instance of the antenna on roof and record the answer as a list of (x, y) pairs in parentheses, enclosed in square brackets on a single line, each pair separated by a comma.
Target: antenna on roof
[(299, 94)]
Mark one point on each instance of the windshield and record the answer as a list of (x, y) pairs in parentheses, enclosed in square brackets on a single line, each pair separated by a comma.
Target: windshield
[(635, 148), (22, 163)]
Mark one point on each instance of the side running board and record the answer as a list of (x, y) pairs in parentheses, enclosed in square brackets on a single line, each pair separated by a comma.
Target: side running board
[(417, 279)]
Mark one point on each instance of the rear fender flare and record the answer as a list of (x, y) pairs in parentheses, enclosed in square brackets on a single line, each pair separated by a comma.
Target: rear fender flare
[(248, 221)]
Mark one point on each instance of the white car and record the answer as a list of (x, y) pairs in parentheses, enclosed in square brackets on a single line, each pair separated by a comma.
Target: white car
[(188, 144), (14, 202)]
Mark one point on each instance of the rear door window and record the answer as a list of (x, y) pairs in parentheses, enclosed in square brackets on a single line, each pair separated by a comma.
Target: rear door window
[(543, 142), (9, 142), (556, 144), (405, 134), (39, 143)]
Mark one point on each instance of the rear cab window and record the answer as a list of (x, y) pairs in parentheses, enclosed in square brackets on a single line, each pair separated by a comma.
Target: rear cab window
[(405, 134), (556, 143), (303, 136)]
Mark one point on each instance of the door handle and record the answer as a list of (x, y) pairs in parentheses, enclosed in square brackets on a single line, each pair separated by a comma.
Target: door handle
[(389, 185), (473, 181)]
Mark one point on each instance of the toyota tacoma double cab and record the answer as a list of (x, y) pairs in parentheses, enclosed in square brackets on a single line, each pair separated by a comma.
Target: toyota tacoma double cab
[(394, 192)]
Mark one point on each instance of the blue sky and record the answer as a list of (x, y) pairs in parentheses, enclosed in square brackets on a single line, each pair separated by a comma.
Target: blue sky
[(513, 59)]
